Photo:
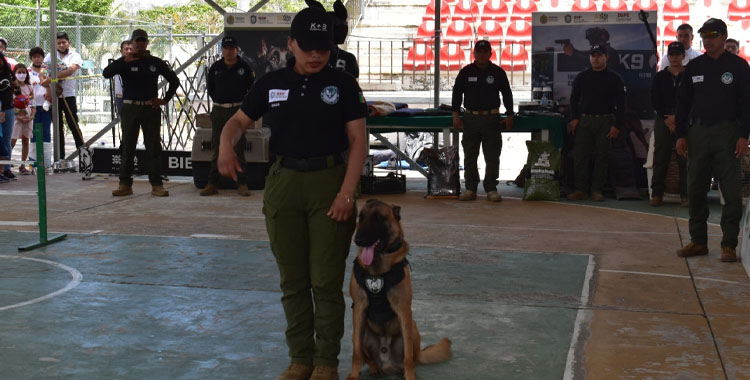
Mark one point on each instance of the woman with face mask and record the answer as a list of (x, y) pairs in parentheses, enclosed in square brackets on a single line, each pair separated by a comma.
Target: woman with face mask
[(24, 111), (7, 84)]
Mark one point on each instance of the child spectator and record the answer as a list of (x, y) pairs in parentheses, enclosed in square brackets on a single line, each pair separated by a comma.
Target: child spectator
[(24, 114)]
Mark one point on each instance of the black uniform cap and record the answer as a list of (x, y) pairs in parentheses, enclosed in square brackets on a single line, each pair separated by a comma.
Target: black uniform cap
[(676, 48), (139, 34), (482, 45), (312, 29), (598, 49), (229, 41), (714, 24)]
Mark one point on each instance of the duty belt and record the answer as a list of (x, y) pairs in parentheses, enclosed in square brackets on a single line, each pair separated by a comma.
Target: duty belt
[(228, 105), (484, 112), (598, 115), (138, 102), (311, 164)]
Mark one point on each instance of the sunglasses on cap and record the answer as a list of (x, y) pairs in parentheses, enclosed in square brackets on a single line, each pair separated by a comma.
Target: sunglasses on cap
[(710, 34)]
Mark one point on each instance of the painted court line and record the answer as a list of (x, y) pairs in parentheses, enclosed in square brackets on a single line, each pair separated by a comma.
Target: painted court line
[(76, 279), (580, 319), (674, 276), (18, 224)]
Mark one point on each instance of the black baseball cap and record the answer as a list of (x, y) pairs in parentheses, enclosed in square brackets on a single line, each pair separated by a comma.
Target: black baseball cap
[(229, 41), (482, 45), (714, 25), (601, 49), (676, 47), (312, 28), (139, 34)]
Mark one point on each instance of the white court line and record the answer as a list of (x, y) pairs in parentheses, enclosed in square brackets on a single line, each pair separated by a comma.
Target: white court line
[(674, 276), (18, 224), (581, 316), (76, 279)]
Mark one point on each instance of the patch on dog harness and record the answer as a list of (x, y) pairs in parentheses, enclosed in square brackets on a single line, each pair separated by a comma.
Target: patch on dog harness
[(379, 308)]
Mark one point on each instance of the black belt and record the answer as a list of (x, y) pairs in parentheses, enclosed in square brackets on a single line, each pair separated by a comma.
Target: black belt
[(598, 115), (311, 164)]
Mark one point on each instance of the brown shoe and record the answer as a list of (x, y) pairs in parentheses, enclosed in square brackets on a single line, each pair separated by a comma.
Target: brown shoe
[(209, 190), (296, 371), (122, 190), (728, 254), (158, 191), (684, 202), (597, 196), (243, 191), (494, 196), (693, 249), (656, 201), (322, 372), (468, 195), (577, 196)]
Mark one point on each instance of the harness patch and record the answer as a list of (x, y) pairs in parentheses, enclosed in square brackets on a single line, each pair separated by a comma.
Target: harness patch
[(376, 287)]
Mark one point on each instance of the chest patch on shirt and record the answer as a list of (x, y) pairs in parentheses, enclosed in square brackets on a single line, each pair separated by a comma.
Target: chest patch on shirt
[(330, 95), (697, 78), (134, 68), (277, 95), (152, 68), (727, 78), (490, 79), (472, 79), (241, 71)]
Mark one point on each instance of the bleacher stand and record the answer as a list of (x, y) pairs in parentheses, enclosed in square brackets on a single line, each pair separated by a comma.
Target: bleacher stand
[(452, 57), (496, 10), (614, 6), (490, 30), (419, 58), (736, 12), (676, 10), (514, 57), (646, 5), (584, 6), (466, 10), (522, 10), (459, 32), (518, 31), (425, 31), (445, 12)]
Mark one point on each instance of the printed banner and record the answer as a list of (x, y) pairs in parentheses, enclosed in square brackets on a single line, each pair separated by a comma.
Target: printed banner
[(560, 50), (262, 38)]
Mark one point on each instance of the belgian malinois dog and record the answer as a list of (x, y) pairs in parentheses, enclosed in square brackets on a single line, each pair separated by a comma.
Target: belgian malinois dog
[(385, 335)]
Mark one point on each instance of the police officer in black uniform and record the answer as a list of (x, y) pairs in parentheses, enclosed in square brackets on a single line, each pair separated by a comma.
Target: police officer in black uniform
[(664, 101), (140, 73), (597, 106), (478, 85), (227, 82), (713, 123), (316, 114), (340, 58)]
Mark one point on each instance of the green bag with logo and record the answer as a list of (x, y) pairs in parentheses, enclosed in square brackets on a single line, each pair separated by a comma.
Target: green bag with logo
[(543, 176)]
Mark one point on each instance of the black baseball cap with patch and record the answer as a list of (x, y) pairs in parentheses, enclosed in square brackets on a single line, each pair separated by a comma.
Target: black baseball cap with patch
[(229, 41), (482, 45), (139, 34), (312, 28), (713, 25), (676, 48), (601, 49)]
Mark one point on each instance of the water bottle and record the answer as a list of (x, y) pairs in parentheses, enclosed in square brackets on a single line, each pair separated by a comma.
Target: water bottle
[(544, 102), (46, 105)]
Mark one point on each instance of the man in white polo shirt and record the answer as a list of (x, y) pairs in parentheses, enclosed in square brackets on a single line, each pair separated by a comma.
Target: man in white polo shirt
[(68, 64), (684, 36)]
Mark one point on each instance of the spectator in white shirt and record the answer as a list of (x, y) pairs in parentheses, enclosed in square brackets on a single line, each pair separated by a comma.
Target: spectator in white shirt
[(684, 36), (126, 47)]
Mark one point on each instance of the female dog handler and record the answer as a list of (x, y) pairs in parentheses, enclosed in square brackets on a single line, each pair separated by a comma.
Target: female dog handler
[(316, 114)]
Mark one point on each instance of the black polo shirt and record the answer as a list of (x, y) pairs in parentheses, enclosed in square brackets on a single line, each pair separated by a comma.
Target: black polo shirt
[(344, 61), (229, 84), (664, 92), (140, 78), (714, 91), (480, 88), (307, 114), (598, 93)]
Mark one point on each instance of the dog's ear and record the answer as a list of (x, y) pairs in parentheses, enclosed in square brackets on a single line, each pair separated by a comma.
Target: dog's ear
[(371, 200), (339, 9), (314, 4), (397, 212)]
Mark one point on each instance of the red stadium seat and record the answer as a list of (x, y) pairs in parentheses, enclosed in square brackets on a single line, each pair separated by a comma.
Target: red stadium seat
[(452, 57), (419, 58), (459, 31), (445, 12), (523, 11), (675, 10), (670, 31), (514, 57), (491, 30), (518, 31), (495, 10), (426, 31), (646, 5), (614, 6), (584, 6), (745, 52), (466, 10), (737, 12)]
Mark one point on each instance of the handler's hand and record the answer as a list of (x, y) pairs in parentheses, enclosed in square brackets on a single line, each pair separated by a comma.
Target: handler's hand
[(157, 102), (681, 147), (669, 121), (572, 126), (509, 123), (458, 124), (227, 163), (741, 148), (613, 132), (342, 208)]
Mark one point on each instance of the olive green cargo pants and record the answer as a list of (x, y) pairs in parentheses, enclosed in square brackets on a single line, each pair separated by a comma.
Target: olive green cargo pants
[(663, 145), (591, 136), (484, 131), (311, 250)]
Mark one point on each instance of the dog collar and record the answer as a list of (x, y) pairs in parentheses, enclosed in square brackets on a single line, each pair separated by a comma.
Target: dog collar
[(395, 246)]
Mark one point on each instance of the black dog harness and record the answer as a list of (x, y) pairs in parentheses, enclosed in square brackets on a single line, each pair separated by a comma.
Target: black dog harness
[(379, 308)]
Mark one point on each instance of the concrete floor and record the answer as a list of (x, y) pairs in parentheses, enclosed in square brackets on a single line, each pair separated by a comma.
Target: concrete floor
[(185, 288)]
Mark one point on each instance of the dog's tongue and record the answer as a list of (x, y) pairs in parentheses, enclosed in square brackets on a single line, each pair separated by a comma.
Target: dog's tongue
[(368, 253)]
